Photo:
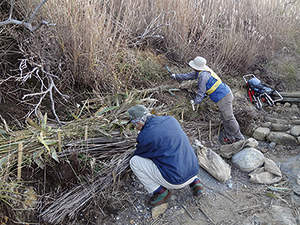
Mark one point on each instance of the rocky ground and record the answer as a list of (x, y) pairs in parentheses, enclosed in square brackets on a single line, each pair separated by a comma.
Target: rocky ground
[(236, 201)]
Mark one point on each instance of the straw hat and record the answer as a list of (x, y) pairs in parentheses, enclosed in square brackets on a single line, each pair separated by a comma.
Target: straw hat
[(199, 63)]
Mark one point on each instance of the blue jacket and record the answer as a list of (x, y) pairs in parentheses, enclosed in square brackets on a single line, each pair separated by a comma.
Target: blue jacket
[(164, 142), (205, 82)]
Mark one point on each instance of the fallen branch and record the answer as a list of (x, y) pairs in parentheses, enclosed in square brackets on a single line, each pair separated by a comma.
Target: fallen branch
[(28, 24), (49, 90)]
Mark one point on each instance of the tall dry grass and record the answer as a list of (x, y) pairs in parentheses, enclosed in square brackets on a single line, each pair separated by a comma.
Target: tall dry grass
[(101, 40), (100, 45)]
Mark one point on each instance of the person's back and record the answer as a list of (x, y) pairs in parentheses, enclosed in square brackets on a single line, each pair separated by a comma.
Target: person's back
[(164, 158), (163, 140)]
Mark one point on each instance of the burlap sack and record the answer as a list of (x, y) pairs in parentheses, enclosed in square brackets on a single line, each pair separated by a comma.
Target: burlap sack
[(212, 162), (267, 174), (227, 151)]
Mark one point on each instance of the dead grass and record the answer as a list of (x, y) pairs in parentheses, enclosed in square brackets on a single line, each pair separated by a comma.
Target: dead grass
[(98, 46), (95, 35)]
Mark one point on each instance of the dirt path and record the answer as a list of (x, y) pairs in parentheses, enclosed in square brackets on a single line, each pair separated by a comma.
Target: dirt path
[(237, 201)]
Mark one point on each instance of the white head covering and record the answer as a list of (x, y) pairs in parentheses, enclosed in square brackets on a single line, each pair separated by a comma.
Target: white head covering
[(199, 63)]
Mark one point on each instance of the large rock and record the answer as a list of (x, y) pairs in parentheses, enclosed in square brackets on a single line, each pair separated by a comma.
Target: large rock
[(282, 138), (295, 131), (248, 159), (261, 133), (279, 127)]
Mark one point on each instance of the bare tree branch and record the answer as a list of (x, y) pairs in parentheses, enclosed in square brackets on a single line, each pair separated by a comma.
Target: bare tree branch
[(28, 24), (44, 89)]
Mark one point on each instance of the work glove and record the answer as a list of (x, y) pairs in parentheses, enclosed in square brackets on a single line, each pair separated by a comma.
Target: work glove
[(173, 76), (193, 104)]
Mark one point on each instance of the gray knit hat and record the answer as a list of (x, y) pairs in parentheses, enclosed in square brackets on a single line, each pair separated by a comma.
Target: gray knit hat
[(137, 111)]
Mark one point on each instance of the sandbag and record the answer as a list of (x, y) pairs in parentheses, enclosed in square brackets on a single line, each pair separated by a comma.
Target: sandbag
[(212, 162), (227, 151), (267, 174)]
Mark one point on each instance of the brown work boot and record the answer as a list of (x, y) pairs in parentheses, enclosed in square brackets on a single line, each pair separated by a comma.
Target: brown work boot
[(158, 199), (198, 189)]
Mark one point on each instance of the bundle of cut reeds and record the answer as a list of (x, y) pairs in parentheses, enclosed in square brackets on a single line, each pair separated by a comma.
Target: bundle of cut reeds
[(105, 137)]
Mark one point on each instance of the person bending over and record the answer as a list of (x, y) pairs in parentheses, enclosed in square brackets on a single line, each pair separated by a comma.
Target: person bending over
[(209, 83), (164, 159)]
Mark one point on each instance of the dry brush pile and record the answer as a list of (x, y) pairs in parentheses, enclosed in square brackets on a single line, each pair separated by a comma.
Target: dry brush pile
[(104, 139)]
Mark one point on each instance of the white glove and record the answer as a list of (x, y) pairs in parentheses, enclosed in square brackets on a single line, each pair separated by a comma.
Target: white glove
[(173, 76), (193, 104)]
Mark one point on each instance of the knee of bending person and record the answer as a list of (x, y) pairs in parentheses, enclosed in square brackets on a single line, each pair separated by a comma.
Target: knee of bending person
[(133, 162)]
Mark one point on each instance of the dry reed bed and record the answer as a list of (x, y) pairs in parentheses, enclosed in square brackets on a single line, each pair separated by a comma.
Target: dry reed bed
[(97, 44), (232, 35)]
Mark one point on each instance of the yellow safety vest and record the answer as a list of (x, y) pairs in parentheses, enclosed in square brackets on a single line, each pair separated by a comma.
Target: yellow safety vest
[(215, 85)]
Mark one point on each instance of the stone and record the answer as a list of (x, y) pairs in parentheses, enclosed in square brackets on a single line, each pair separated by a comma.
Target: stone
[(294, 117), (298, 179), (256, 72), (291, 110), (266, 124), (287, 104), (158, 210), (248, 159), (279, 127), (294, 106), (272, 145), (295, 131), (296, 122), (275, 120), (261, 133), (282, 138)]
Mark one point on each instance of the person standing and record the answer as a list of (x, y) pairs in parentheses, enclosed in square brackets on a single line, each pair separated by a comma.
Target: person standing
[(220, 93), (164, 159)]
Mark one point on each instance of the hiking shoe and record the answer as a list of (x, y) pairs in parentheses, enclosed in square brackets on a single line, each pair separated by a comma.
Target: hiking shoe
[(158, 199), (227, 140), (198, 189)]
